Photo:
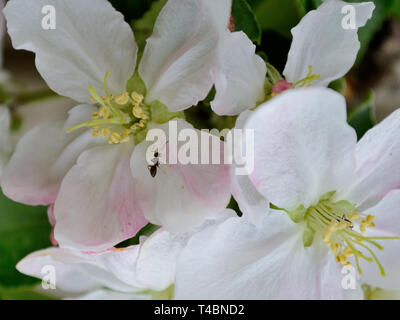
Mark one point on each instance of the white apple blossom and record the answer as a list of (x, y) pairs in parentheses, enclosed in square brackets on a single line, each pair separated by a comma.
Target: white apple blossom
[(102, 192), (335, 204), (323, 48), (144, 271)]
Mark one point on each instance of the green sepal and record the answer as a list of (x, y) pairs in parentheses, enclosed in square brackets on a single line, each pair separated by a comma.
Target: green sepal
[(135, 83), (160, 113), (273, 74), (297, 215), (140, 136), (308, 237)]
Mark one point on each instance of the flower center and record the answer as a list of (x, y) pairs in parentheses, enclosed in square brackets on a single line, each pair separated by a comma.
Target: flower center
[(280, 85), (119, 117), (342, 229)]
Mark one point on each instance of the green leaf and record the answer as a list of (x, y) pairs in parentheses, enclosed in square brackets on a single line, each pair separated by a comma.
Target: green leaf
[(23, 229), (362, 118), (245, 20), (280, 15)]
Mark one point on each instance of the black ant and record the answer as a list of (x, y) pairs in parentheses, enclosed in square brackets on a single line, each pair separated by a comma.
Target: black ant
[(156, 164)]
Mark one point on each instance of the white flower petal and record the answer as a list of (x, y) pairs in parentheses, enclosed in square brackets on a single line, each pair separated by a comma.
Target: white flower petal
[(69, 277), (321, 41), (98, 206), (179, 196), (240, 81), (44, 155), (158, 255), (387, 221), (179, 57), (377, 156), (90, 39), (237, 260), (104, 294), (304, 147), (81, 272)]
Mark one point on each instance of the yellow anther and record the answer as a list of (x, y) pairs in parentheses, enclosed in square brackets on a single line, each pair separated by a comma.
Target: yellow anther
[(354, 216), (372, 225), (141, 124), (95, 134), (342, 259), (138, 112), (115, 137), (348, 252), (370, 218), (122, 99), (103, 112), (124, 138), (104, 132), (137, 97), (126, 132), (335, 248), (95, 115)]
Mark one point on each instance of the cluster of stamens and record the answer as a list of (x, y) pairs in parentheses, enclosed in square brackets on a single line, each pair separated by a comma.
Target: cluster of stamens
[(337, 223), (119, 117), (283, 85)]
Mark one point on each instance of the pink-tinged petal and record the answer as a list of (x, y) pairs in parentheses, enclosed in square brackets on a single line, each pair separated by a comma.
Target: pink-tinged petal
[(180, 55), (180, 196), (43, 157), (324, 41), (158, 255), (98, 205), (69, 277), (82, 272), (238, 260), (281, 86), (89, 39), (377, 156), (304, 146), (387, 221), (252, 204), (239, 82)]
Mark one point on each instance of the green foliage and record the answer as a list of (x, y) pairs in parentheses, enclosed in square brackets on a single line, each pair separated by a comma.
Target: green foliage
[(131, 9), (143, 27), (366, 33), (395, 10), (23, 229), (245, 20), (362, 118), (27, 292), (339, 85), (279, 15)]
